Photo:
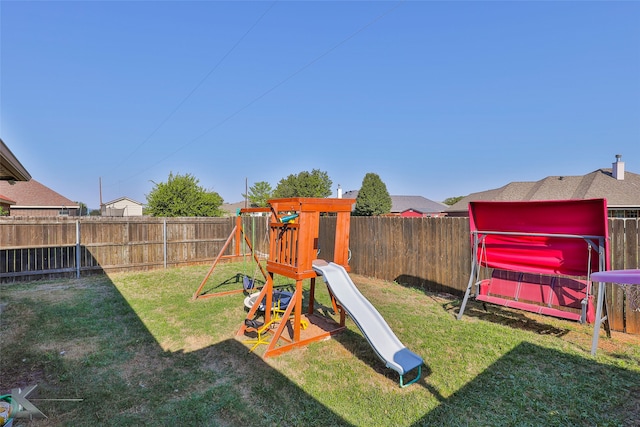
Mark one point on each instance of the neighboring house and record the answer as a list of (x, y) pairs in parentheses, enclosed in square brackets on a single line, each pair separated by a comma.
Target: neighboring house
[(416, 207), (409, 206), (5, 203), (620, 188), (123, 206), (34, 199), (10, 168), (231, 209)]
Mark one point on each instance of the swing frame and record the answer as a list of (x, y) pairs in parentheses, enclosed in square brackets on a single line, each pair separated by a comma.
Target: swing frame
[(237, 235)]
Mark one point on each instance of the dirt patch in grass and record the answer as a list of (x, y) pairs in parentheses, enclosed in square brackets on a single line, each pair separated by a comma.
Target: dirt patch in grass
[(17, 376), (74, 349), (142, 361), (197, 342), (54, 292)]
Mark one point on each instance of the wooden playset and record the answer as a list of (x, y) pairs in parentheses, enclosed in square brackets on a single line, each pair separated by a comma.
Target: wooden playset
[(293, 246)]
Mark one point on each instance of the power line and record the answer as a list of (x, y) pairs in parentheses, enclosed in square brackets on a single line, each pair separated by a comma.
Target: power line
[(274, 87), (200, 83)]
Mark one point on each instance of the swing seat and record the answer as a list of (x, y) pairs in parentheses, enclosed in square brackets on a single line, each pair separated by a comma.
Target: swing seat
[(248, 283), (281, 299), (561, 297)]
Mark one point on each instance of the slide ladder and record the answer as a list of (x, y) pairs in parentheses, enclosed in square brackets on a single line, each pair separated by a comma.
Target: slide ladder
[(372, 325)]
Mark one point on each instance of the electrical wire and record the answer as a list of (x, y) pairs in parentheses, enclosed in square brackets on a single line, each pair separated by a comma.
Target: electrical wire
[(197, 86), (273, 88)]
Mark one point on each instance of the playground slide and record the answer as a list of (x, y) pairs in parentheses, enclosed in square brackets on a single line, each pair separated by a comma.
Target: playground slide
[(375, 329)]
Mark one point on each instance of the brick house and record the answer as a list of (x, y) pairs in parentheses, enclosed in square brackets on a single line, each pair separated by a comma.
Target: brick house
[(5, 203), (35, 199)]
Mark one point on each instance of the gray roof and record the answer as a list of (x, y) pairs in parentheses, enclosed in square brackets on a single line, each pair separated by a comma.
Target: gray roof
[(598, 184), (232, 208), (401, 204), (417, 203)]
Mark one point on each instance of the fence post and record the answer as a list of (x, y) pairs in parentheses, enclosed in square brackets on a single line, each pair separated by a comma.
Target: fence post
[(164, 242), (77, 249)]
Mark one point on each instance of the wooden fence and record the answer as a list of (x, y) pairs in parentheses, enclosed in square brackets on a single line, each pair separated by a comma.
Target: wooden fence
[(44, 247), (431, 253)]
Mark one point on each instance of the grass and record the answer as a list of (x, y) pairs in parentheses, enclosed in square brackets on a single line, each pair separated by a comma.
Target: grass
[(138, 351)]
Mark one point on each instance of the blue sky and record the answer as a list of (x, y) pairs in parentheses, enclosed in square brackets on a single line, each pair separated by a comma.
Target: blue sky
[(439, 98)]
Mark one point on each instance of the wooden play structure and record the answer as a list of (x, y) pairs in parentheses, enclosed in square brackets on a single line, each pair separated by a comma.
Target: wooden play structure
[(239, 236), (293, 237), (538, 256), (293, 246)]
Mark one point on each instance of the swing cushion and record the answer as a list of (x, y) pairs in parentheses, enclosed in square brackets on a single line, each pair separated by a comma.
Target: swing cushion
[(538, 293)]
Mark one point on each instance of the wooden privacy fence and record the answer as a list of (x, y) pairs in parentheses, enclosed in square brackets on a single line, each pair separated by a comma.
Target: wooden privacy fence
[(48, 247), (431, 253)]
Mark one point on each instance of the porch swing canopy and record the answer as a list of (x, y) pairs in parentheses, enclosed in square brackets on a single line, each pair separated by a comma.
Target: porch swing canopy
[(540, 242)]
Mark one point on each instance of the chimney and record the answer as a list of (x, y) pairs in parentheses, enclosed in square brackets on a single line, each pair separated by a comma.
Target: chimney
[(617, 168), (339, 192)]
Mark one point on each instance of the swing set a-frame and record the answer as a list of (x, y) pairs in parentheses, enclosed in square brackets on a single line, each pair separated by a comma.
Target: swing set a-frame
[(241, 241)]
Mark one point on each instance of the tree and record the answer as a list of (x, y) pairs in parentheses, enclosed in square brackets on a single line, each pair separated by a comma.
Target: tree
[(373, 197), (306, 184), (83, 209), (182, 196), (259, 193), (450, 201)]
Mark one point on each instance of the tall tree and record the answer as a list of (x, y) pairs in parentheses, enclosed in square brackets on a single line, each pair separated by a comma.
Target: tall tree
[(83, 209), (450, 201), (182, 196), (259, 193), (373, 197), (306, 184)]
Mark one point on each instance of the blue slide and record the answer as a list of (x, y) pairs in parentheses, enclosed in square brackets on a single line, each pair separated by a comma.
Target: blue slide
[(373, 326)]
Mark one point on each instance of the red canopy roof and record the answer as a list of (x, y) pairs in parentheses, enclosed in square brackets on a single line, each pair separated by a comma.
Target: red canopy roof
[(553, 252)]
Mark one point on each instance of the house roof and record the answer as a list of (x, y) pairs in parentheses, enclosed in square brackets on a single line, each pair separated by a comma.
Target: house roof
[(10, 168), (35, 195), (401, 204), (119, 199), (620, 193), (6, 200), (232, 208)]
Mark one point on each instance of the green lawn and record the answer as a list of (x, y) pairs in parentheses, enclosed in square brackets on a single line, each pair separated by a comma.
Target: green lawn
[(139, 351)]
